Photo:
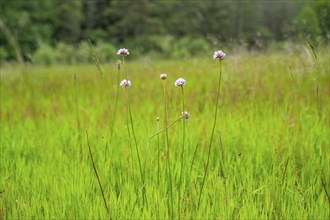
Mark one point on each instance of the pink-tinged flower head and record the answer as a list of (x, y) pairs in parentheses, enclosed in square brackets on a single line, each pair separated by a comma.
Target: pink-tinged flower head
[(125, 83), (123, 51), (219, 55), (186, 115), (163, 76), (180, 82)]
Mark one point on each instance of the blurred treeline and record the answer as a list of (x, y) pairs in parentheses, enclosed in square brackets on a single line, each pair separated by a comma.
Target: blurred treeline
[(58, 30)]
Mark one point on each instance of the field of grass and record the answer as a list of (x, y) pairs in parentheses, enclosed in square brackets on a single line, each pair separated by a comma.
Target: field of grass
[(269, 157)]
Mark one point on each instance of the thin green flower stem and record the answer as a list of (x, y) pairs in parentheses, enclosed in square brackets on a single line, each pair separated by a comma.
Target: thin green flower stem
[(114, 110), (169, 180), (158, 174), (165, 129), (182, 153), (124, 69), (212, 134), (116, 102), (137, 149), (130, 145), (95, 171)]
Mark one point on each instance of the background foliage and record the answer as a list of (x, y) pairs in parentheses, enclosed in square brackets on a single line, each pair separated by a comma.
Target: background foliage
[(47, 30)]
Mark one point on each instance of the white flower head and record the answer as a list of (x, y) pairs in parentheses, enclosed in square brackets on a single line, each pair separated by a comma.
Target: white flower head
[(163, 76), (123, 51), (186, 115), (124, 83), (220, 55), (180, 82)]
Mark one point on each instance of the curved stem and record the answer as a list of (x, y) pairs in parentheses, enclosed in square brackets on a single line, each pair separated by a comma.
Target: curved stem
[(212, 134), (165, 129), (95, 171)]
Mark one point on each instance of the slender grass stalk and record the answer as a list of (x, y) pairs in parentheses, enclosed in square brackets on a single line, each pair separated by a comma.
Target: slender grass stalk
[(191, 167), (98, 66), (212, 134), (158, 170), (285, 169), (132, 161), (222, 160), (136, 148), (324, 186), (116, 102), (77, 116), (95, 59), (193, 159), (167, 146), (95, 171)]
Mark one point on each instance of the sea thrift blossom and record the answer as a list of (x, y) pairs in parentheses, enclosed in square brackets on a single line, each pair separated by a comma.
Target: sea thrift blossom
[(163, 76), (180, 82), (123, 51), (219, 55), (186, 115), (125, 83)]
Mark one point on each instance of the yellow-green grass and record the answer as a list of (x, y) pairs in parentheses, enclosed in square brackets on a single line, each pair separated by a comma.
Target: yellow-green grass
[(273, 123)]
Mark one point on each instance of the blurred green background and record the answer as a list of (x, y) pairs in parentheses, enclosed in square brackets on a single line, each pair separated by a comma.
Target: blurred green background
[(53, 31)]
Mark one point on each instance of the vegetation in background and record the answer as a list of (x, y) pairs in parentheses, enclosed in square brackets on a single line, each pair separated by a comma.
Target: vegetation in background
[(169, 29)]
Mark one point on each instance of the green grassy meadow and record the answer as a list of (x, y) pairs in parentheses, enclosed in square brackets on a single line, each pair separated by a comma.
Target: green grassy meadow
[(269, 158)]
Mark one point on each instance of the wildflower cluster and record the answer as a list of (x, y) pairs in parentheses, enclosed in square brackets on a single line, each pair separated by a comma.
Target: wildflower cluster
[(180, 82)]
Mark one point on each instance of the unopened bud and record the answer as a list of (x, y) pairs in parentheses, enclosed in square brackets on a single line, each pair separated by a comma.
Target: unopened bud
[(186, 115), (163, 76)]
